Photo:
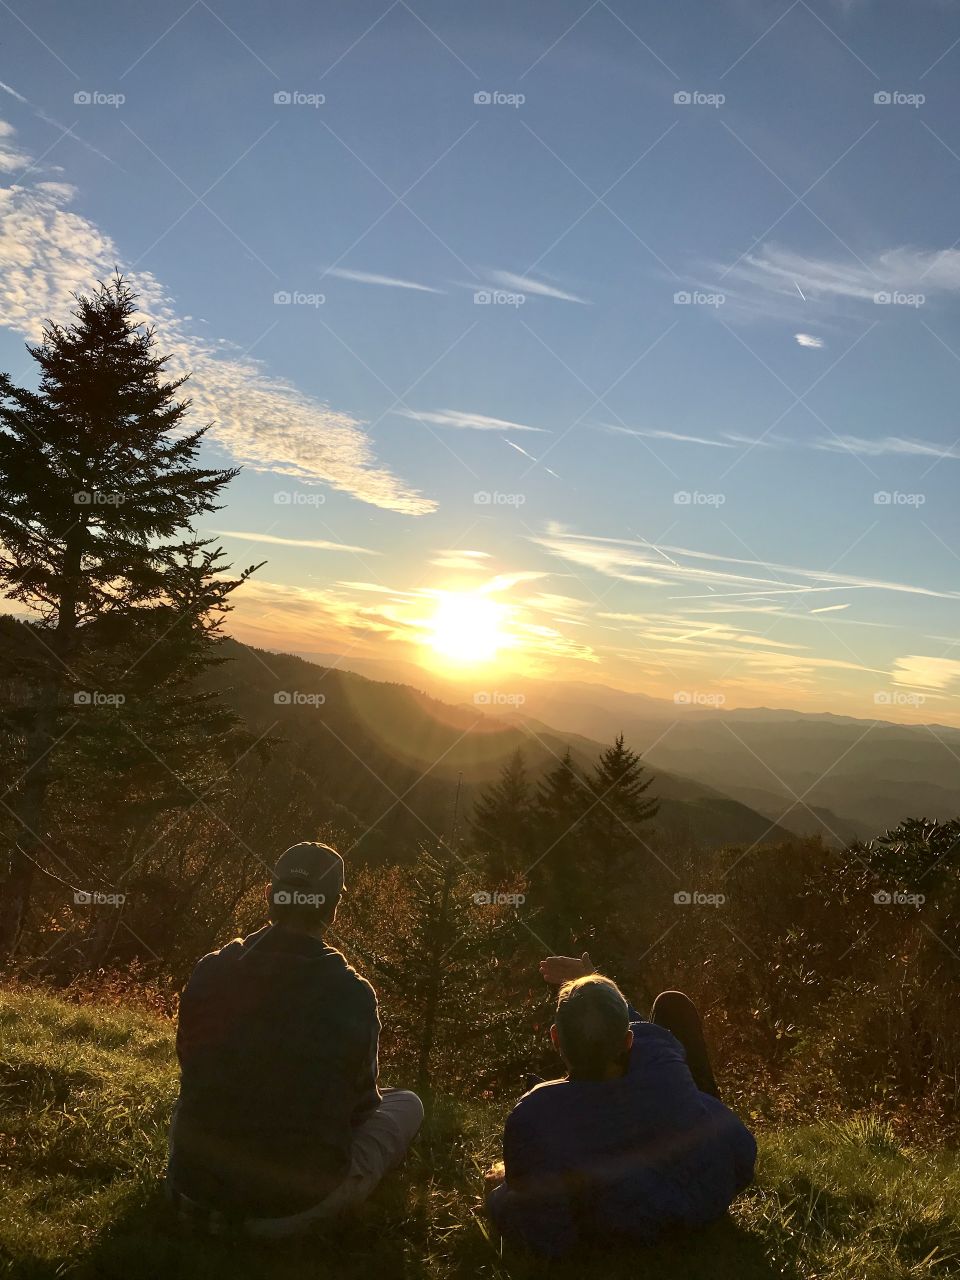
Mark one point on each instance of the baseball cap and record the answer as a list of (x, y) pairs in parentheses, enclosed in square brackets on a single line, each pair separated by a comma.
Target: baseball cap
[(312, 868)]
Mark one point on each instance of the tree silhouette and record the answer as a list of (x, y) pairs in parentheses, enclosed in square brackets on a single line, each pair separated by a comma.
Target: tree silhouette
[(620, 787), (501, 824), (98, 491), (563, 807)]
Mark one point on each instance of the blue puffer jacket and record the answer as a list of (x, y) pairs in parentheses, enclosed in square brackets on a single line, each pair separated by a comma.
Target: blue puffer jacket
[(620, 1160)]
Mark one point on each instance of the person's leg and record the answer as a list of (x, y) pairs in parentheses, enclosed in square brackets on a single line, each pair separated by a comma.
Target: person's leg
[(677, 1013), (379, 1144)]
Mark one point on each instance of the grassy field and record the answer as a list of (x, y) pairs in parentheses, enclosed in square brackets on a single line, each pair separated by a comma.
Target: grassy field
[(85, 1098)]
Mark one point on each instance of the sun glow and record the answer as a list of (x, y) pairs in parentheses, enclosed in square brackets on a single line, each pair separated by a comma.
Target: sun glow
[(466, 628)]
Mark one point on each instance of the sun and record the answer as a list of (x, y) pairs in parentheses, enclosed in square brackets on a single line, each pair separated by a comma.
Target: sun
[(466, 628)]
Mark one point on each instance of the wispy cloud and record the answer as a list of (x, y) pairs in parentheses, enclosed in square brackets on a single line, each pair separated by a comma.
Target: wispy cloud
[(768, 441), (390, 282), (678, 436), (808, 340), (463, 421), (922, 672), (454, 558), (881, 447), (633, 561), (677, 643), (47, 252), (13, 94), (529, 284), (507, 581), (358, 617), (11, 160), (317, 544), (54, 122), (794, 609), (777, 270), (886, 445)]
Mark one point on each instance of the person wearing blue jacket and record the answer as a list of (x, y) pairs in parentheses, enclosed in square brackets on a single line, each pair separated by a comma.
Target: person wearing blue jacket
[(633, 1141)]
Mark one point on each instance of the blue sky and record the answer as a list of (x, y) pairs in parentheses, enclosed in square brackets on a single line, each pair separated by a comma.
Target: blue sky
[(748, 495)]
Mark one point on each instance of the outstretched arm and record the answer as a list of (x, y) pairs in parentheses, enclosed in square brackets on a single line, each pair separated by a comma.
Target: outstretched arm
[(556, 970)]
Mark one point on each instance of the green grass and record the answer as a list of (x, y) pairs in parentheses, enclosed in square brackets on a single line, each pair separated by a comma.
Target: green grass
[(85, 1098)]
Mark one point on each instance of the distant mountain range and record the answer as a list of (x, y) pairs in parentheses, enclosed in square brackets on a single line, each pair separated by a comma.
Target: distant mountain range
[(370, 742), (841, 777), (384, 744)]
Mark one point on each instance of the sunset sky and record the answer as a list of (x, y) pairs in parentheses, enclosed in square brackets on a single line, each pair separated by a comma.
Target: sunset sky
[(592, 341)]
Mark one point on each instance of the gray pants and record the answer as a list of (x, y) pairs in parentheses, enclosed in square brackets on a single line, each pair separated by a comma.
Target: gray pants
[(379, 1145)]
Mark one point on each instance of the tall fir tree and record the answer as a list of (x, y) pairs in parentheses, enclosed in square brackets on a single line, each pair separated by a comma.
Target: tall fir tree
[(501, 823), (619, 784), (622, 806), (98, 491), (456, 940), (563, 808)]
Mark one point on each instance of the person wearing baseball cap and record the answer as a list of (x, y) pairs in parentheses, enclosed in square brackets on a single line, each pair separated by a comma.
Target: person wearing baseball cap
[(280, 1121)]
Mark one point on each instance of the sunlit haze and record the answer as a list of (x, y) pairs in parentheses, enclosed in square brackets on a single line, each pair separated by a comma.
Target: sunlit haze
[(466, 629)]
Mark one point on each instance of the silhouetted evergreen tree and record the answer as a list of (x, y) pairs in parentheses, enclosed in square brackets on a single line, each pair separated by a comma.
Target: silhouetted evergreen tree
[(502, 820), (564, 804), (616, 854), (459, 939), (98, 489), (618, 781), (619, 785)]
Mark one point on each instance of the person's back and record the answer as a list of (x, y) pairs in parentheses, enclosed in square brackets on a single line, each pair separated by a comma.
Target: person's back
[(277, 1043), (280, 1120), (624, 1148)]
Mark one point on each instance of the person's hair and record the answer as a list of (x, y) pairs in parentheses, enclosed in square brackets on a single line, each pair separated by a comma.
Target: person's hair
[(592, 1023), (301, 917)]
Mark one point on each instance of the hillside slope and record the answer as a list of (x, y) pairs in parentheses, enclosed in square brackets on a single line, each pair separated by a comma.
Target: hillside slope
[(815, 773), (852, 776), (86, 1094), (371, 742)]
